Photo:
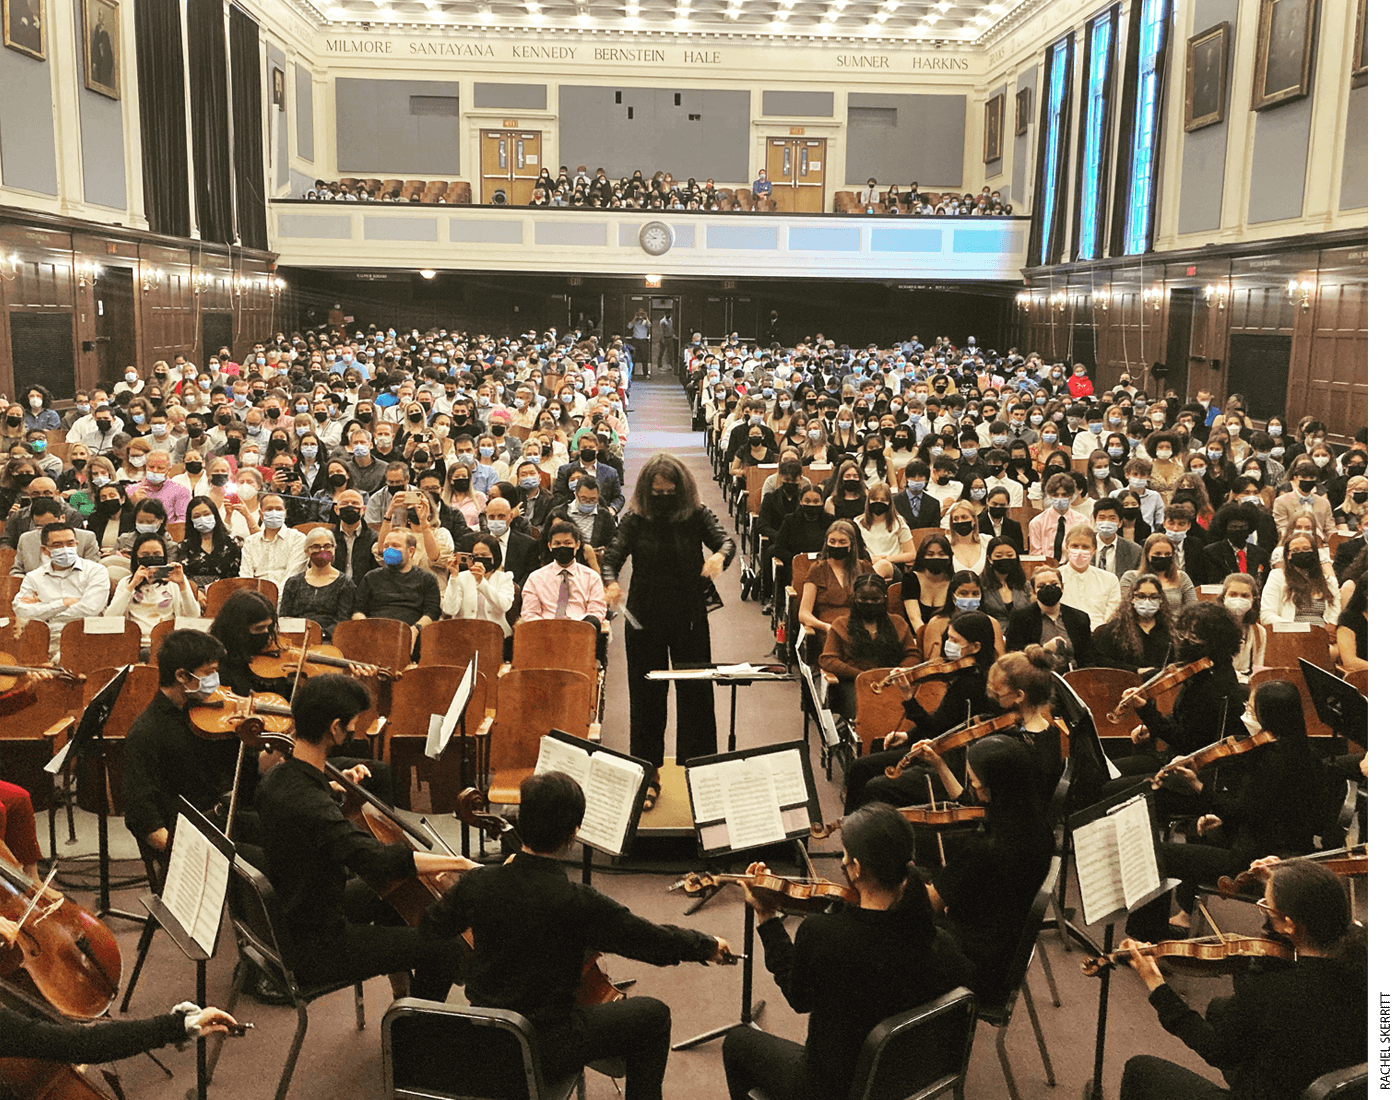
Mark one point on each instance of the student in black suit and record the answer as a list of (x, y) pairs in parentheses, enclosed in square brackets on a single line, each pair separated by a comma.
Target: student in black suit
[(1187, 538), (915, 482), (609, 481), (1062, 630), (582, 509), (1111, 550), (994, 521), (1221, 555)]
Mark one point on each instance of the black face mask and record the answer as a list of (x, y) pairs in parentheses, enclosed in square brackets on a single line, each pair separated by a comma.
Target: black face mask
[(14, 421), (79, 463), (194, 467), (838, 553), (462, 485), (1049, 595), (1361, 496), (1132, 515), (850, 486), (1238, 536), (962, 527), (104, 426), (811, 511), (337, 481), (879, 508), (587, 454), (348, 515), (755, 441), (663, 504), (1306, 560), (939, 567), (218, 480), (1004, 565), (866, 609), (1160, 563), (1306, 487), (562, 555)]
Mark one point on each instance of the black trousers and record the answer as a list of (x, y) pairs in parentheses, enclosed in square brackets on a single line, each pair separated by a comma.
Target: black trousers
[(755, 1059), (1147, 1077), (641, 355), (638, 1030), (1195, 865), (378, 942), (656, 648)]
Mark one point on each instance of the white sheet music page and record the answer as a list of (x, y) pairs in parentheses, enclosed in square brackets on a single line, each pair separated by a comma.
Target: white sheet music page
[(195, 884), (788, 778), (751, 806), (706, 793), (610, 794), (559, 756), (1100, 876), (1137, 855)]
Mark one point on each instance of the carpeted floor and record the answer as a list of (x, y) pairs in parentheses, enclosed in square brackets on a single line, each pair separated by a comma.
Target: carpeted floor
[(338, 1062)]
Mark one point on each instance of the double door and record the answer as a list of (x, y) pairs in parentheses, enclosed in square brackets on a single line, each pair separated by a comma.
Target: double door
[(510, 163), (797, 169)]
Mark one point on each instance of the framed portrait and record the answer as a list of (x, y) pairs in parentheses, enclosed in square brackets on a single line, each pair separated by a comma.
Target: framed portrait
[(991, 128), (1023, 111), (1283, 53), (101, 41), (24, 26), (1360, 49), (1207, 65), (279, 89)]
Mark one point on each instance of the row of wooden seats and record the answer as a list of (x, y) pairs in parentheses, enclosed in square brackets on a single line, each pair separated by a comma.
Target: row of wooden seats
[(428, 191)]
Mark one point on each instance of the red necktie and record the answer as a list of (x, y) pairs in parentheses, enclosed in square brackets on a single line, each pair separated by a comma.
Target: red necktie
[(1239, 557)]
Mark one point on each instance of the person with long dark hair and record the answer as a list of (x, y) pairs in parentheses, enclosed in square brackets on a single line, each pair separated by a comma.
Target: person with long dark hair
[(868, 637), (208, 552), (1275, 805), (1285, 1025), (1138, 637), (970, 634), (848, 968), (667, 533)]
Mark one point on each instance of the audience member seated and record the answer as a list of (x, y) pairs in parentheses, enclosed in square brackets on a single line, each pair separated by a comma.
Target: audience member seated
[(154, 592), (64, 588)]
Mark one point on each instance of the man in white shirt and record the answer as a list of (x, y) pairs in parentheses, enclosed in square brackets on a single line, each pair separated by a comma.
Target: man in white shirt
[(1093, 590), (869, 195), (277, 551), (1092, 438), (996, 460), (63, 589)]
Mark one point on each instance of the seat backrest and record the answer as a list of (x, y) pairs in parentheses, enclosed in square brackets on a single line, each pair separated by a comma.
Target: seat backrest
[(556, 643), (1358, 679), (530, 703), (9, 589), (1287, 643), (1341, 1084), (94, 790), (26, 642), (257, 919), (384, 642), (880, 713), (165, 626), (81, 651), (1101, 689), (921, 1052), (220, 590), (436, 1051), (455, 641), (754, 477), (801, 565), (1020, 962)]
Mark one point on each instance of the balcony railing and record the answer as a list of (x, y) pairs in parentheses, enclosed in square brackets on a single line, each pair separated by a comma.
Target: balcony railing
[(545, 239)]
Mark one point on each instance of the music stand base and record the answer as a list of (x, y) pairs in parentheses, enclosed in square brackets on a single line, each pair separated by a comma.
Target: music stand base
[(121, 914), (720, 1032)]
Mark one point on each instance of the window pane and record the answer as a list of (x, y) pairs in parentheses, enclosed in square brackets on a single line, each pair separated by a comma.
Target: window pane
[(1054, 125), (1091, 171), (1138, 235)]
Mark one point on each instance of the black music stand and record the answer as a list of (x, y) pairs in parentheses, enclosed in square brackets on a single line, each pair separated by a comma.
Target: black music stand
[(736, 676), (88, 740), (1342, 708), (455, 720), (712, 831), (1094, 1089), (632, 812)]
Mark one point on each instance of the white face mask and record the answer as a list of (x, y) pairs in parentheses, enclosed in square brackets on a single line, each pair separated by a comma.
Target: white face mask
[(1238, 605)]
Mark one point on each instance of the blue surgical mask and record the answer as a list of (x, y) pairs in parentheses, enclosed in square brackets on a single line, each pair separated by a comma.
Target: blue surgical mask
[(393, 555), (1176, 537), (1107, 529), (951, 650), (529, 483), (147, 528), (966, 603), (497, 527), (207, 686), (64, 557), (586, 509), (916, 487), (1060, 504)]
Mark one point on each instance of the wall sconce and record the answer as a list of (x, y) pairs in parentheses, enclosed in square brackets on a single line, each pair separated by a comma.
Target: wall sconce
[(1217, 295), (1103, 299), (1299, 291), (1023, 301), (1060, 301), (1156, 296), (87, 270), (146, 276)]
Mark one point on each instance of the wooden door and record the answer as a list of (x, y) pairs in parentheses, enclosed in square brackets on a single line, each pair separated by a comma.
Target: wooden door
[(797, 170), (510, 163)]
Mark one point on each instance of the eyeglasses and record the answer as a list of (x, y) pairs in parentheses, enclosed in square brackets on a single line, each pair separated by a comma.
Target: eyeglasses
[(1268, 908)]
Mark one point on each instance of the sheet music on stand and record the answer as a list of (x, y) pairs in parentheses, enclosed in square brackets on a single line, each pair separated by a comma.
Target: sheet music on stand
[(748, 799), (1116, 858), (440, 726), (196, 884), (614, 788)]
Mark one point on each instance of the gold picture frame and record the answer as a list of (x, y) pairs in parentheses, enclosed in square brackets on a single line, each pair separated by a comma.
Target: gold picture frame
[(991, 128), (1360, 51), (1023, 111), (279, 89), (1283, 52), (24, 27), (102, 47), (1207, 67)]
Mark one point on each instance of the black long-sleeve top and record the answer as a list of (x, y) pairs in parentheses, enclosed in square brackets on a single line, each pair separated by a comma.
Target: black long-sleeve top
[(24, 1036), (1284, 1026), (533, 928), (315, 844), (666, 562), (850, 968), (799, 535), (166, 760), (1156, 648), (1278, 807), (1208, 707)]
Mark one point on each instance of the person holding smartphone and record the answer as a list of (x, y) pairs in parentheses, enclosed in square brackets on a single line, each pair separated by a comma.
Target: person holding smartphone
[(154, 591)]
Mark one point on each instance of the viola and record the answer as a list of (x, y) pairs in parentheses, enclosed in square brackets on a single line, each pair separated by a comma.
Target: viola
[(1208, 952), (261, 720), (955, 738), (936, 815), (1163, 682), (1345, 862), (1213, 754), (68, 953), (10, 673), (925, 670), (776, 892), (320, 659)]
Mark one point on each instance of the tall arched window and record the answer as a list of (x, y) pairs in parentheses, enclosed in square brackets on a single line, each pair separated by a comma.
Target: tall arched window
[(1094, 137), (1142, 157), (1059, 63)]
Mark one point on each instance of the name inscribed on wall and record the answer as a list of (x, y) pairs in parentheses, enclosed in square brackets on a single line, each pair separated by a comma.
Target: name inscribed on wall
[(882, 61)]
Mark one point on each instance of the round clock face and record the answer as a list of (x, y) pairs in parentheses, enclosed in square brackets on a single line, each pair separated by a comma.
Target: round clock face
[(655, 237)]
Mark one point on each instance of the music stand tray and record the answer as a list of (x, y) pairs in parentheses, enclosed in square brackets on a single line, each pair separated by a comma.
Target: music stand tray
[(1342, 708)]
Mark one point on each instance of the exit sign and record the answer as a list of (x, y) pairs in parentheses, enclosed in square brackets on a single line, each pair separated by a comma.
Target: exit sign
[(511, 123), (1190, 270), (797, 131)]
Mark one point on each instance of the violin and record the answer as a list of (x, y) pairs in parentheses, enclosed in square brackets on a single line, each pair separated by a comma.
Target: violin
[(925, 670), (69, 954), (936, 815), (788, 895), (1340, 861), (1209, 952), (1213, 754), (595, 987), (955, 738), (261, 721), (10, 673), (1163, 682), (319, 659)]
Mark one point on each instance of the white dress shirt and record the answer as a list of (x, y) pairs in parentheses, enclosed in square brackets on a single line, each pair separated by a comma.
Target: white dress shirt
[(274, 559), (42, 594), (1095, 592)]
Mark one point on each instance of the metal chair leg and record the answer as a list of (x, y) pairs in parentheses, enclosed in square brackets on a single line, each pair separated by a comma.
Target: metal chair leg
[(1049, 977), (148, 934), (1039, 1035), (359, 1006), (1011, 1091), (292, 1055)]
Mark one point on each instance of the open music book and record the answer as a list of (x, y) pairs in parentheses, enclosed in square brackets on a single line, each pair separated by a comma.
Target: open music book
[(1116, 859), (746, 800), (195, 884), (612, 787)]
